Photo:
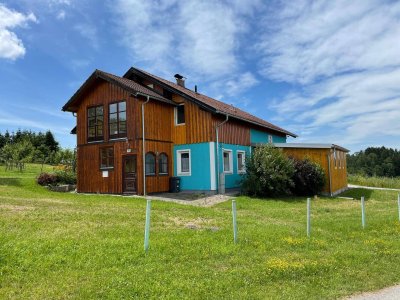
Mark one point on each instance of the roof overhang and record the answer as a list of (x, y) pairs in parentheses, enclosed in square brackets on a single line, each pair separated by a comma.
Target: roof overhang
[(310, 146), (71, 105)]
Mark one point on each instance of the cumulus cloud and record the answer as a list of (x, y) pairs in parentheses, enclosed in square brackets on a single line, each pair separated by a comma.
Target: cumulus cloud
[(12, 47), (343, 58)]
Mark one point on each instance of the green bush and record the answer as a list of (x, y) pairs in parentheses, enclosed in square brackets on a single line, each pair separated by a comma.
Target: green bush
[(308, 178), (66, 177), (268, 173)]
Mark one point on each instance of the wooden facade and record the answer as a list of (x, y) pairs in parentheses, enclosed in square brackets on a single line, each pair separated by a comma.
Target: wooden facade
[(333, 162)]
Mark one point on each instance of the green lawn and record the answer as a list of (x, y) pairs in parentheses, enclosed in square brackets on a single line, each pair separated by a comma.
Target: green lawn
[(63, 246), (374, 181)]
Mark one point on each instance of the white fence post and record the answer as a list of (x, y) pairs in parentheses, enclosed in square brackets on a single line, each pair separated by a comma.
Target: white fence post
[(234, 221), (308, 217), (362, 212), (147, 226)]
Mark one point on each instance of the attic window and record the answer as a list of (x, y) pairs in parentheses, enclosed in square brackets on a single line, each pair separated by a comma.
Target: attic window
[(180, 115), (150, 86)]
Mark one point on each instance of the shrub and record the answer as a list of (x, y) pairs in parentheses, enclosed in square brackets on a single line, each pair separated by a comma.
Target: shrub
[(308, 178), (47, 179), (66, 177), (268, 173)]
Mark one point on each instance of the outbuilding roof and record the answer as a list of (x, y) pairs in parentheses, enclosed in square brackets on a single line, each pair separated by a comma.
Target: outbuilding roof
[(310, 146)]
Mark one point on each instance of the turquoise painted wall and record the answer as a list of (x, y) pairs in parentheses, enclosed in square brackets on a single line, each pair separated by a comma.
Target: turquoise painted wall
[(257, 136), (200, 178), (232, 180)]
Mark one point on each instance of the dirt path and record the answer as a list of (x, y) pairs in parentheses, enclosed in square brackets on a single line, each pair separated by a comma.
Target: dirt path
[(390, 293)]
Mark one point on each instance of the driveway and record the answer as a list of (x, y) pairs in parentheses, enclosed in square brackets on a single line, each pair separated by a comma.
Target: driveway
[(390, 293)]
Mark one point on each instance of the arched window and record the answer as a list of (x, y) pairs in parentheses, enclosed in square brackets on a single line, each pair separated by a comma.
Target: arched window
[(150, 163), (163, 164)]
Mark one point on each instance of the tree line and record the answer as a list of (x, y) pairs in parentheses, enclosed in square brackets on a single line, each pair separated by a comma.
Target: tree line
[(375, 161), (18, 148)]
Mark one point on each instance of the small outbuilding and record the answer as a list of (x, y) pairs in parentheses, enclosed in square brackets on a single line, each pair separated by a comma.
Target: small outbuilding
[(331, 157)]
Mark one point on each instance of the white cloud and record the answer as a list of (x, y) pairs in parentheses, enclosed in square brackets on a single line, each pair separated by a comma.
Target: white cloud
[(11, 47), (343, 60), (89, 32), (61, 15), (196, 37)]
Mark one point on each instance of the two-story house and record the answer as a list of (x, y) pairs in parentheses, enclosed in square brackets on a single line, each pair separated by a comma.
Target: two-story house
[(135, 132)]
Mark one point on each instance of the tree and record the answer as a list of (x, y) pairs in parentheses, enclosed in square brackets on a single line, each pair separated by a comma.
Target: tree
[(50, 141)]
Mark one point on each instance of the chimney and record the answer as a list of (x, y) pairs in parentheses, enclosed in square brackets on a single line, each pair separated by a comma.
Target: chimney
[(195, 89), (180, 80)]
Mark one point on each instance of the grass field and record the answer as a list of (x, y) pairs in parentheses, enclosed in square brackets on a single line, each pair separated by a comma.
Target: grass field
[(386, 182), (65, 246)]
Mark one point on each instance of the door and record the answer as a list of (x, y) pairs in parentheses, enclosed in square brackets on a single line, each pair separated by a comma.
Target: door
[(129, 174)]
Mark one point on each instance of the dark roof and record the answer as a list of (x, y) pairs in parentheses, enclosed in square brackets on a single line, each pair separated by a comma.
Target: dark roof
[(124, 83), (310, 146), (208, 102)]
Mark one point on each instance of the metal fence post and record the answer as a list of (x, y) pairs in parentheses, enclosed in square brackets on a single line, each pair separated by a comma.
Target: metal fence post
[(398, 204), (362, 212), (308, 217), (147, 226), (234, 221)]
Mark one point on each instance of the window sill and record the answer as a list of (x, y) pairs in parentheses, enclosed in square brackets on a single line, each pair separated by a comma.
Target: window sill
[(150, 175), (95, 142), (184, 174), (241, 172), (228, 172), (107, 169), (163, 174), (182, 124), (118, 139)]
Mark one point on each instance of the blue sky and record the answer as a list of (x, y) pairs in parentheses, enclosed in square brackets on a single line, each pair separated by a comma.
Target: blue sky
[(326, 70)]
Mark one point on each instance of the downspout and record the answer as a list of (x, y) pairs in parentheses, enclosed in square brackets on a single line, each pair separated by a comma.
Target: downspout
[(143, 142), (217, 145)]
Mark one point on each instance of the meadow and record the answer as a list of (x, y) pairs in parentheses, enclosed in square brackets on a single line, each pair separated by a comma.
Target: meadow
[(68, 246), (375, 181)]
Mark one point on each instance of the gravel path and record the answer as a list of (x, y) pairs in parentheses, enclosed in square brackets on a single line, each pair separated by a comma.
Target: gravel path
[(390, 293), (371, 188), (206, 201)]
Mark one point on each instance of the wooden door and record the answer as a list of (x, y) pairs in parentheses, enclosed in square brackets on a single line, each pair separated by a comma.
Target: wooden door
[(129, 174)]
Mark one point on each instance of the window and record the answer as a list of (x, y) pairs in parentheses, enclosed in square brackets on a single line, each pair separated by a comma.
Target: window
[(241, 161), (107, 158), (150, 163), (180, 115), (117, 120), (228, 165), (163, 164), (95, 123), (184, 163), (270, 139)]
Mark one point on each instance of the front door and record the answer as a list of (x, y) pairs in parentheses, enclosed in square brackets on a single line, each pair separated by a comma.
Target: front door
[(129, 174)]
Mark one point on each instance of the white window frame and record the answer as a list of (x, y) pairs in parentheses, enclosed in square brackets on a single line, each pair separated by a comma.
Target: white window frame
[(179, 164), (230, 161), (270, 139), (176, 115), (244, 161)]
